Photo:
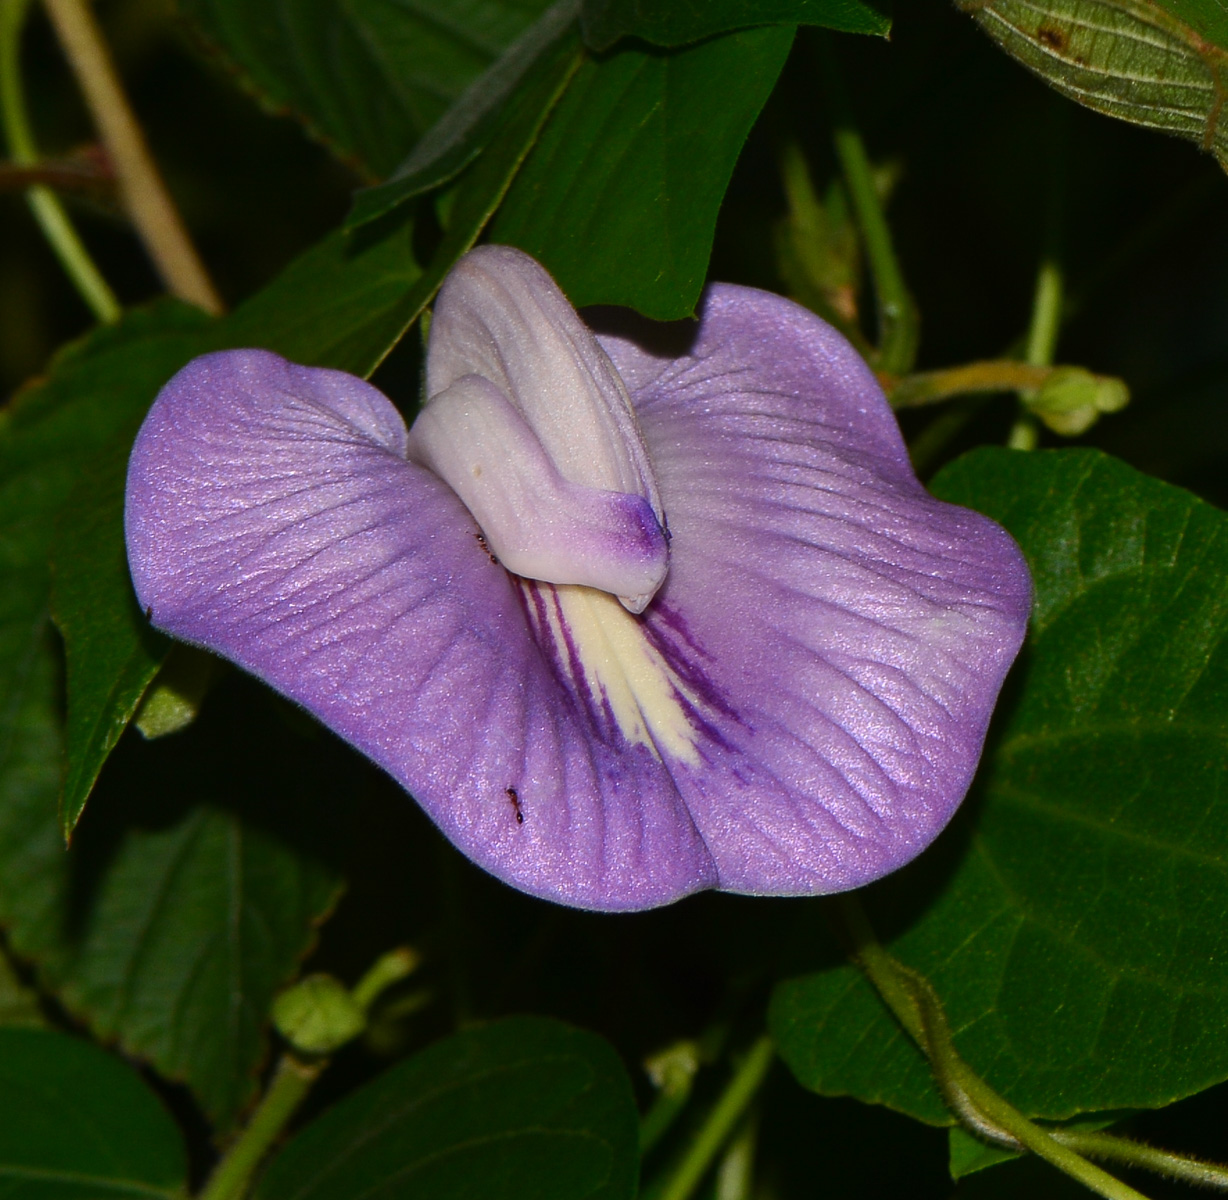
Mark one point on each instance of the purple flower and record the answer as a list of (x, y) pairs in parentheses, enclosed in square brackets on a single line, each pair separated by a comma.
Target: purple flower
[(744, 648)]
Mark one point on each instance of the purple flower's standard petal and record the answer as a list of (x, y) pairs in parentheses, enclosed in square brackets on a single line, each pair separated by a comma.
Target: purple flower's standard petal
[(272, 517), (844, 633), (800, 708)]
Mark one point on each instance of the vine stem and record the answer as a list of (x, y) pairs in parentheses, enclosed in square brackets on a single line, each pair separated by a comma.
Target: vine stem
[(898, 324), (141, 188), (50, 214), (291, 1082), (720, 1123), (914, 1004)]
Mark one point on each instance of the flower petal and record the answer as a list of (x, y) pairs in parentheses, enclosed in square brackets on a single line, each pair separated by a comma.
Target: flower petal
[(539, 524), (272, 517), (848, 632)]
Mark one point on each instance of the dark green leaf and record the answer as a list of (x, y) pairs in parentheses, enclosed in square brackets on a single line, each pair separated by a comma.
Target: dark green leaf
[(367, 76), (343, 304), (465, 129), (482, 187), (78, 1124), (521, 1108), (1074, 919), (968, 1154), (605, 21), (96, 392), (19, 1004), (1155, 64), (619, 197), (111, 652), (189, 895)]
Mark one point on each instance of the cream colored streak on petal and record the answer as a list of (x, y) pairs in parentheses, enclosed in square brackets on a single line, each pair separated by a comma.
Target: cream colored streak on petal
[(643, 692)]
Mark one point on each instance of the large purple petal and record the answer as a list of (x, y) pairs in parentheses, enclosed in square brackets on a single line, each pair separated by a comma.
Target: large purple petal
[(800, 709), (272, 517), (851, 632)]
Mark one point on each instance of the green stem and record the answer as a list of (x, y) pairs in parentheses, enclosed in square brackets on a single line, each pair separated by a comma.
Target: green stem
[(48, 211), (1111, 1148), (148, 203), (932, 387), (898, 325), (388, 969), (735, 1177), (292, 1081), (720, 1123), (912, 1000)]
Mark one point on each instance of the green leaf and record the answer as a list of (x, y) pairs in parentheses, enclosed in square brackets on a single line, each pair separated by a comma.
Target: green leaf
[(369, 77), (1155, 64), (519, 1108), (466, 128), (111, 652), (605, 21), (1074, 919), (619, 197), (19, 1005), (968, 1154), (344, 303), (189, 895), (96, 392), (78, 1124)]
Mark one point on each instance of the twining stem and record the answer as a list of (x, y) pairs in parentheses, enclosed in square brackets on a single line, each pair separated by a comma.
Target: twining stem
[(1110, 1148), (48, 211), (898, 324), (141, 189), (291, 1082), (720, 1123), (912, 1001)]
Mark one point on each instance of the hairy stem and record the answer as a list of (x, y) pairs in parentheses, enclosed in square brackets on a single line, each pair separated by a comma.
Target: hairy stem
[(914, 1004), (898, 324), (720, 1123), (52, 219), (141, 189), (1109, 1147)]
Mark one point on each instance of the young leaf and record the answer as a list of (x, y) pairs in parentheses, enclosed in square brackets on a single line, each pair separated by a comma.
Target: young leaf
[(187, 901), (605, 21), (520, 1108), (76, 1123), (1157, 63), (618, 199), (1073, 918), (368, 76)]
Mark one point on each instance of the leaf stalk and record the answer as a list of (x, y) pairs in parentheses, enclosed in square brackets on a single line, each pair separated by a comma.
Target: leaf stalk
[(50, 214), (144, 195)]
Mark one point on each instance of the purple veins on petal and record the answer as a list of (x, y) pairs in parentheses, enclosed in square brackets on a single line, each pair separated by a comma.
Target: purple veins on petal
[(799, 707)]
